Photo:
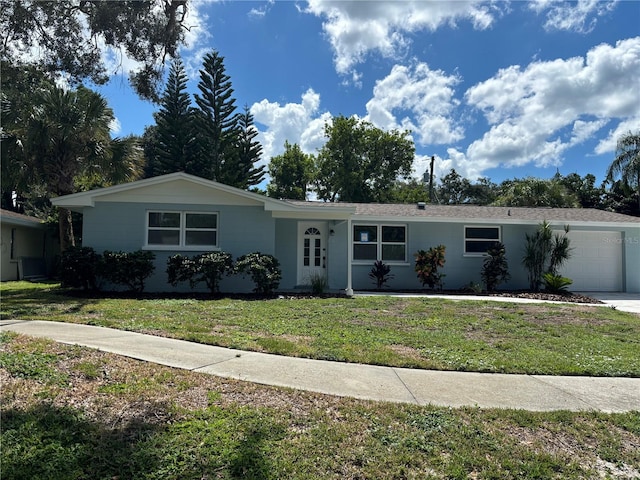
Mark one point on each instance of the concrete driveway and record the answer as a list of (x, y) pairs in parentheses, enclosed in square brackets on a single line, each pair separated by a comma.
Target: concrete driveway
[(626, 302)]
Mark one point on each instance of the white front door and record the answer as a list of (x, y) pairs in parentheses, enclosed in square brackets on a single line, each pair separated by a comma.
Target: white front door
[(312, 251)]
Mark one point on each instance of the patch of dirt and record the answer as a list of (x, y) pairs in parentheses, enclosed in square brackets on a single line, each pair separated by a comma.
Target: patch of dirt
[(566, 445)]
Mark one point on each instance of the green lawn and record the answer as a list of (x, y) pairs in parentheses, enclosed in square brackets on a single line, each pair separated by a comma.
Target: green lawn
[(72, 413), (407, 332)]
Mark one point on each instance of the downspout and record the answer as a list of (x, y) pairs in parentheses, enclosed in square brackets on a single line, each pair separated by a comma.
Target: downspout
[(349, 289)]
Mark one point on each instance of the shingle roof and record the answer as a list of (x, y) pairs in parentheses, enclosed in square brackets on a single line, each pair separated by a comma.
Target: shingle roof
[(19, 219), (478, 213)]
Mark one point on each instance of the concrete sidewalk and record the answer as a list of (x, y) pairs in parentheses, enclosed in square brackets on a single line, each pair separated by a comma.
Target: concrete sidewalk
[(455, 389)]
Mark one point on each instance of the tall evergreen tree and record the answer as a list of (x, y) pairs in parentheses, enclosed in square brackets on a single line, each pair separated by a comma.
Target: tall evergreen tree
[(249, 153), (217, 121), (175, 146)]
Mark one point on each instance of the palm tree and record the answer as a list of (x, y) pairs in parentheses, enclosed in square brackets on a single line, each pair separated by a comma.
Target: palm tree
[(66, 136), (627, 162)]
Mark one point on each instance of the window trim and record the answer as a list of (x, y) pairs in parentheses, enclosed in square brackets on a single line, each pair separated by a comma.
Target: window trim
[(465, 239), (379, 243), (182, 229)]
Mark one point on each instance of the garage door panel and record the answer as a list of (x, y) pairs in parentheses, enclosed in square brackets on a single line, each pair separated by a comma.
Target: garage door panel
[(596, 261)]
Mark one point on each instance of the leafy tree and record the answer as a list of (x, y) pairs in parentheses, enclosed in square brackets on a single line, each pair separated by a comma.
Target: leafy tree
[(534, 192), (589, 196), (409, 191), (217, 121), (619, 198), (68, 36), (291, 173), (360, 163), (453, 188), (627, 162), (483, 192), (175, 140), (247, 173)]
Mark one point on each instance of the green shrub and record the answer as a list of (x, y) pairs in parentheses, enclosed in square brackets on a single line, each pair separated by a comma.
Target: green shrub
[(206, 267), (556, 283), (380, 274), (427, 265), (210, 267), (495, 268), (264, 270), (180, 269), (130, 269), (79, 268)]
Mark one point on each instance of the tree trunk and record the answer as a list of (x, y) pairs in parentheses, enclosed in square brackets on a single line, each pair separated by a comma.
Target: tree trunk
[(65, 227)]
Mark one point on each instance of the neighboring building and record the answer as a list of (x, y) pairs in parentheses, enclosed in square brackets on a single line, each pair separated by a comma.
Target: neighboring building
[(180, 213), (27, 249)]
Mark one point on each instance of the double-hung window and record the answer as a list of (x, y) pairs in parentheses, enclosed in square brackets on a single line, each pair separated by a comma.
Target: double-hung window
[(182, 229), (477, 240), (380, 242)]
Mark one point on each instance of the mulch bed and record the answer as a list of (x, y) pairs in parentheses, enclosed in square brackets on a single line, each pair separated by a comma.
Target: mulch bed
[(558, 297)]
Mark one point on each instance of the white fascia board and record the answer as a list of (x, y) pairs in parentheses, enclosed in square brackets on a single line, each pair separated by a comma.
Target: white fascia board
[(489, 221), (88, 199)]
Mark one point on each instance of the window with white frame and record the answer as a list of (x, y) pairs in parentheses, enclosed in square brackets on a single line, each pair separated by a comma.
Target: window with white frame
[(182, 229), (380, 242), (479, 239)]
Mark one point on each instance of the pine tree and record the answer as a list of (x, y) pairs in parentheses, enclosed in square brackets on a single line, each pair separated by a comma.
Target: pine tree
[(217, 123), (175, 146), (249, 152)]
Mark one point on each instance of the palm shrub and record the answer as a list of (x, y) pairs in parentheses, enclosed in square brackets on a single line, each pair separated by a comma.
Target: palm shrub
[(427, 265), (545, 253), (556, 283), (495, 269), (380, 273), (130, 269), (264, 270)]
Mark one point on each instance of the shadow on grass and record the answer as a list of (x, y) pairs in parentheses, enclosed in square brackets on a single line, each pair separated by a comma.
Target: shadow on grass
[(48, 442)]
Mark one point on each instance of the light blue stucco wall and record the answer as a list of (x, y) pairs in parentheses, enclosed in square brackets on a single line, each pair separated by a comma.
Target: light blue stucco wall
[(244, 229), (462, 269), (121, 227), (286, 242)]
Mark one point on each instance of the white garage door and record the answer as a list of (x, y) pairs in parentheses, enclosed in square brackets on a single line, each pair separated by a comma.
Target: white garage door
[(596, 262)]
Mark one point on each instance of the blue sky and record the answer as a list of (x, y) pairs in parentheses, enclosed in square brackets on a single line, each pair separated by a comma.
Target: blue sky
[(496, 89)]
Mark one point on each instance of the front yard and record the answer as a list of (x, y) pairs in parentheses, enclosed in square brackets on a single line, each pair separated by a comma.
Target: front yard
[(72, 413), (567, 339)]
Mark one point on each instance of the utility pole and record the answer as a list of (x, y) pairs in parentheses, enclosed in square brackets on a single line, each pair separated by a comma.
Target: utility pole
[(433, 159)]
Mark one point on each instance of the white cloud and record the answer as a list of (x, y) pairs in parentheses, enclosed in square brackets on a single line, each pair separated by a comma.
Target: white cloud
[(358, 27), (423, 98), (300, 123), (608, 144), (578, 16), (537, 113), (262, 10)]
